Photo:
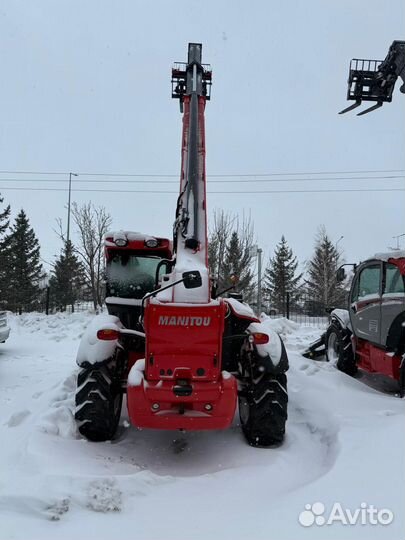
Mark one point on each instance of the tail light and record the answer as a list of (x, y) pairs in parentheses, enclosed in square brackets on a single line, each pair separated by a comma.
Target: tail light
[(107, 334), (258, 338)]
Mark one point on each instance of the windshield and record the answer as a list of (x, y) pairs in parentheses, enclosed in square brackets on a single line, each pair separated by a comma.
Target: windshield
[(131, 276)]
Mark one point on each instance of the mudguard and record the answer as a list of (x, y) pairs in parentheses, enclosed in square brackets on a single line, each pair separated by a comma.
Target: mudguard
[(342, 317), (270, 357), (94, 352)]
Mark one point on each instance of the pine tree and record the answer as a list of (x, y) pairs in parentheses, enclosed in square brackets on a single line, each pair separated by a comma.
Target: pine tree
[(280, 278), (237, 263), (322, 287), (24, 267), (4, 224), (67, 279)]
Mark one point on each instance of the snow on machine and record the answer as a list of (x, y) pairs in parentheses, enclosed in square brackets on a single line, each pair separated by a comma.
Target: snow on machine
[(370, 334), (183, 355)]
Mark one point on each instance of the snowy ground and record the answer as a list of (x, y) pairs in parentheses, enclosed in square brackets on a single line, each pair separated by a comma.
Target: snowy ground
[(345, 444)]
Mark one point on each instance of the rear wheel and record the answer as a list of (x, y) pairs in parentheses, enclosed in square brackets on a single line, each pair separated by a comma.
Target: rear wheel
[(339, 349), (263, 410), (98, 403)]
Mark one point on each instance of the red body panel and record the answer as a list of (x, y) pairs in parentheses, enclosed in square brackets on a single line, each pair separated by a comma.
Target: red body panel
[(183, 336), (183, 345), (221, 395), (376, 360)]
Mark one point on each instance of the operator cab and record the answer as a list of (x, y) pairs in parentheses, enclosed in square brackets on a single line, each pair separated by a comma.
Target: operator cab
[(377, 302), (135, 263)]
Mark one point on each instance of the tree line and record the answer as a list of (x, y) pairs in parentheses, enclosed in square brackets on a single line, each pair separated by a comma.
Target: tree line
[(77, 272), (232, 251)]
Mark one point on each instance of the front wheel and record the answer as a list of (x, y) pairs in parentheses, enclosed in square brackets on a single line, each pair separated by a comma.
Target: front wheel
[(263, 410), (339, 349)]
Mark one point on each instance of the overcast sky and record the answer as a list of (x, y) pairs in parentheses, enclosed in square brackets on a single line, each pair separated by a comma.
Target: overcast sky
[(85, 87)]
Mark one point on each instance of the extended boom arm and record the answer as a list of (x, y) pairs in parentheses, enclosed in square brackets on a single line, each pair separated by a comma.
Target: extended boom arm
[(191, 84)]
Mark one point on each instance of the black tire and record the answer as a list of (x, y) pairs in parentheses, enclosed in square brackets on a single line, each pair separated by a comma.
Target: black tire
[(98, 403), (263, 410), (339, 349)]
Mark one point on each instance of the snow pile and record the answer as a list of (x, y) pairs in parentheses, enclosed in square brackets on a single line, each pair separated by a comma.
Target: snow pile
[(104, 496), (59, 418), (57, 327), (281, 326), (93, 350)]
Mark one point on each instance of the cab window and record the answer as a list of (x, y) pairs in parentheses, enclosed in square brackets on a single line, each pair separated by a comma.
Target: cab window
[(368, 282), (394, 282), (131, 276)]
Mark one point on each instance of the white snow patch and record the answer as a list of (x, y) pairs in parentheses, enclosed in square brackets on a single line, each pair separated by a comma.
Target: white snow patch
[(242, 309), (281, 325), (92, 349), (396, 254), (59, 418), (338, 429), (136, 375)]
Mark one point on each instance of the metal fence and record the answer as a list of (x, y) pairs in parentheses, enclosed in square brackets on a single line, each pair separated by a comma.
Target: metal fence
[(306, 310), (45, 303)]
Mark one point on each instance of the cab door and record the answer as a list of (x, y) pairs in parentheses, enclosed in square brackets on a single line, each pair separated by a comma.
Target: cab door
[(392, 301), (365, 305)]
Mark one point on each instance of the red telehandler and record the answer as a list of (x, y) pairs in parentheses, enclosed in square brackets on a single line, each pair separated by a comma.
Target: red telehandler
[(182, 354)]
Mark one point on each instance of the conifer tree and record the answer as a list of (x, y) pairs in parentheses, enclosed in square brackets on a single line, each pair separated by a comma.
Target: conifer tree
[(4, 224), (67, 278), (323, 290), (237, 263), (24, 266), (280, 278)]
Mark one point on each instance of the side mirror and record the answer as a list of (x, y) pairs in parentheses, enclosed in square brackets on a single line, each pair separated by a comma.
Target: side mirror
[(340, 274), (192, 279)]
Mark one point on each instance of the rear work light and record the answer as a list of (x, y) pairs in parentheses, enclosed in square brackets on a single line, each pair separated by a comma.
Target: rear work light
[(151, 243), (121, 241), (258, 338), (107, 334)]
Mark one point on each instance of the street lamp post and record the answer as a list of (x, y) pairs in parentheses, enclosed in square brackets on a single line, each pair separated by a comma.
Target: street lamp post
[(257, 252), (259, 281), (398, 236), (69, 197)]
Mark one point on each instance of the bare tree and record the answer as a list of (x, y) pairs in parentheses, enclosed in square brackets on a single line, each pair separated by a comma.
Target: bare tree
[(92, 224)]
